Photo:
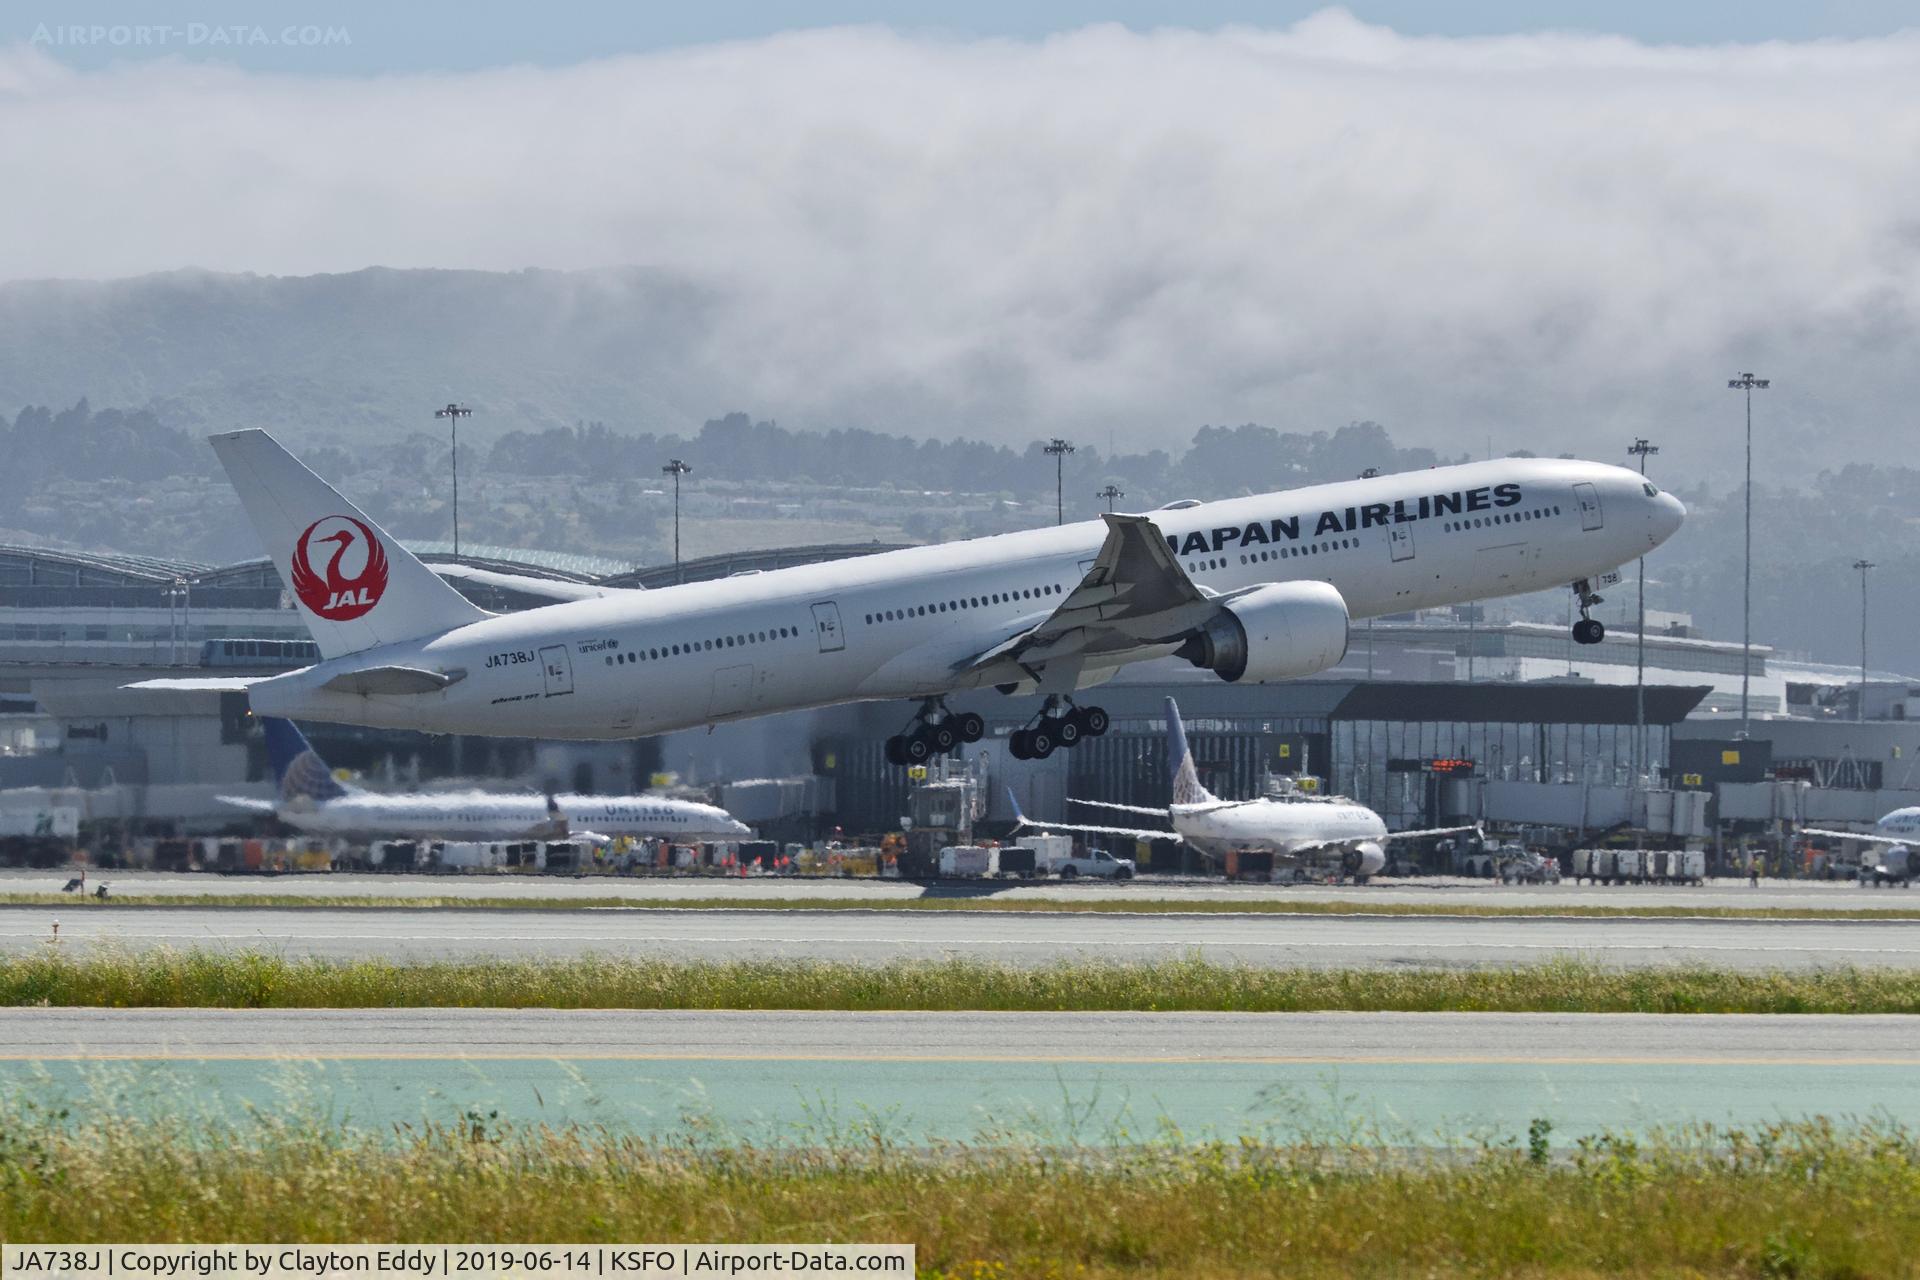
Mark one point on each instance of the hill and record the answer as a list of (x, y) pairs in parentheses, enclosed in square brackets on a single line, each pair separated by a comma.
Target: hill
[(349, 358)]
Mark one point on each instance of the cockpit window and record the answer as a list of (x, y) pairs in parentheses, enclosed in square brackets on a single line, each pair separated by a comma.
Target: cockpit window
[(1651, 492)]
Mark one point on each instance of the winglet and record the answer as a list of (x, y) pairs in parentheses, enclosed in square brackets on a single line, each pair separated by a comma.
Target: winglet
[(1020, 819)]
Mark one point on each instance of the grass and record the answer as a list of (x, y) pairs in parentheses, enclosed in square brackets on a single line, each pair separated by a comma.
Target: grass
[(194, 978), (1804, 1199), (1247, 905)]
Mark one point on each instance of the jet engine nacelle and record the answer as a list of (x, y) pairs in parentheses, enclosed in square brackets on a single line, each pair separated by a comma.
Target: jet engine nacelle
[(1282, 631), (1364, 860)]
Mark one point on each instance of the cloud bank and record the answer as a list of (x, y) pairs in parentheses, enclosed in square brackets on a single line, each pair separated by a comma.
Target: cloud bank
[(1544, 241)]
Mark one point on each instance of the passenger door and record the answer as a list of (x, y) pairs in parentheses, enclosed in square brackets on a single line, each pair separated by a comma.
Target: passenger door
[(1591, 517), (826, 621), (1400, 539), (558, 668)]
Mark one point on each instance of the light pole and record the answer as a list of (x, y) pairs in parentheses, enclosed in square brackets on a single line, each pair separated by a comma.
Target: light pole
[(180, 614), (1863, 566), (1749, 384), (676, 469), (453, 413), (1111, 492), (1059, 449), (1640, 448), (1369, 474)]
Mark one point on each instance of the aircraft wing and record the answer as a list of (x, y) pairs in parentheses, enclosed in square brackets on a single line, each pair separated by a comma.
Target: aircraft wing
[(1124, 808), (1430, 831), (1858, 835), (1133, 596), (1044, 827), (253, 803), (1022, 821)]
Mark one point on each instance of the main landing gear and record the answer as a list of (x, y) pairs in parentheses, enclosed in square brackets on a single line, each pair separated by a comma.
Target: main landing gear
[(1059, 724), (1588, 630), (934, 732)]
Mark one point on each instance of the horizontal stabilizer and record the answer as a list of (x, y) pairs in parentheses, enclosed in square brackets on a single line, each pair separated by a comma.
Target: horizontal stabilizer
[(373, 680), (199, 684)]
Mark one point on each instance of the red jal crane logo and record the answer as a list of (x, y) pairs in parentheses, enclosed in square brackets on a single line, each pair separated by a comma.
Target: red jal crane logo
[(333, 595)]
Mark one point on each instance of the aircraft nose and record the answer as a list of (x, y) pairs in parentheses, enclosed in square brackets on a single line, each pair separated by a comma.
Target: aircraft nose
[(1669, 513)]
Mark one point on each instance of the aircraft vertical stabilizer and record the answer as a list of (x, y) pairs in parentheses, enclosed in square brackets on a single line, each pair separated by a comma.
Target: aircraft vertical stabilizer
[(1186, 778), (297, 767), (355, 585)]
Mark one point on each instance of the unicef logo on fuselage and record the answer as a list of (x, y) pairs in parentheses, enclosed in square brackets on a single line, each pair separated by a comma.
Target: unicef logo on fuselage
[(353, 572)]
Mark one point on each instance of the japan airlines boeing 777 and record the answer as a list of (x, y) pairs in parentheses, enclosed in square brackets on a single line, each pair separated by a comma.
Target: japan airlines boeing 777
[(312, 799), (1257, 589), (1349, 835)]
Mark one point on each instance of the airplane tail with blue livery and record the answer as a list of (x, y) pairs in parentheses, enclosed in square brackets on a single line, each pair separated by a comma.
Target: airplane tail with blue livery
[(297, 767), (1186, 778)]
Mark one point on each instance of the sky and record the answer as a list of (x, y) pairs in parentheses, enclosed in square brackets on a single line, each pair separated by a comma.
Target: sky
[(1483, 224), (379, 37)]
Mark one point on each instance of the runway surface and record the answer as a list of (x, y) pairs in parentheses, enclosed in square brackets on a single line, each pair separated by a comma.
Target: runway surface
[(914, 1077), (1026, 938), (1446, 891)]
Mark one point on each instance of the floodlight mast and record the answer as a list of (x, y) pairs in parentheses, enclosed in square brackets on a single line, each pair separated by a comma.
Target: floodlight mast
[(1641, 449), (676, 469), (453, 413), (1861, 708), (1059, 449), (1747, 383)]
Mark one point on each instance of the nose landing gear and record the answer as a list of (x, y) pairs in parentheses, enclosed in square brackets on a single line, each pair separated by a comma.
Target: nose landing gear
[(934, 731), (1059, 724), (1588, 630)]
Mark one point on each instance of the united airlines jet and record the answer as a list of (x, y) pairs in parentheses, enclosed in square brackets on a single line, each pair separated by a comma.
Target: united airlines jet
[(1254, 589), (312, 799), (1352, 836), (1897, 836)]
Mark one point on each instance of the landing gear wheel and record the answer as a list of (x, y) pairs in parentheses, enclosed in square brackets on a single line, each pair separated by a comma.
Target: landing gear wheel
[(970, 725), (896, 749), (1065, 730), (918, 750), (943, 737), (1094, 721), (1017, 745), (1040, 741), (1589, 631)]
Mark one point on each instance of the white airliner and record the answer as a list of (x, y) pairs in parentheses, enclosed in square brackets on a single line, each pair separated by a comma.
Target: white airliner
[(1292, 824), (1897, 834), (312, 799), (1254, 589)]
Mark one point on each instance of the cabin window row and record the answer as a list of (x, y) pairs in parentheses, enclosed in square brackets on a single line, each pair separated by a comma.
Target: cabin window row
[(1503, 517), (964, 602), (1275, 553), (702, 646)]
